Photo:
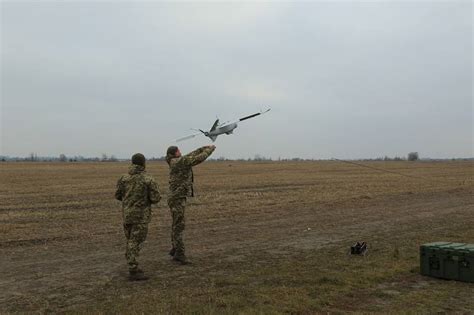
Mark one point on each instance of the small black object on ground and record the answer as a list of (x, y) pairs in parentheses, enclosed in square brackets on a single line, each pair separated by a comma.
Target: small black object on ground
[(359, 248)]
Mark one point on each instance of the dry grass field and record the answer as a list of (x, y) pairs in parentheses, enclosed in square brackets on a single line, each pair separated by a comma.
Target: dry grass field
[(264, 238)]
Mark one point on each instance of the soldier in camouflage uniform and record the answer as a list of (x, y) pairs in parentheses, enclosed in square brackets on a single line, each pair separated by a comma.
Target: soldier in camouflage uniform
[(138, 191), (181, 187)]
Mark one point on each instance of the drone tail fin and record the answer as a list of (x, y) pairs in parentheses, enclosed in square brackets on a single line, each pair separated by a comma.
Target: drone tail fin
[(203, 132)]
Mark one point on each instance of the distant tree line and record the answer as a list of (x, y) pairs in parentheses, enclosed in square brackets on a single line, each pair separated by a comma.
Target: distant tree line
[(412, 156), (33, 157)]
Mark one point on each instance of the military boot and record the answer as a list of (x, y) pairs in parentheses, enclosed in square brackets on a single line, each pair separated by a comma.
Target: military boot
[(137, 275), (181, 259), (172, 251)]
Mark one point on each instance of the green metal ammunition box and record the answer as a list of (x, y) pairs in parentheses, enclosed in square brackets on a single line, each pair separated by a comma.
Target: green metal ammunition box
[(453, 261)]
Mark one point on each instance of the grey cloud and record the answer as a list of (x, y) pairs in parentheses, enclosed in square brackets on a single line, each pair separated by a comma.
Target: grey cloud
[(347, 79)]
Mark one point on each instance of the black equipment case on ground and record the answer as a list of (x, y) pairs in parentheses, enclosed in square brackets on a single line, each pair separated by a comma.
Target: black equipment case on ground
[(453, 261)]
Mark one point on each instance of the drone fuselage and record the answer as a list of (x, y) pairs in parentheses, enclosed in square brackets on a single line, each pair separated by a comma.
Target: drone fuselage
[(224, 129), (220, 130)]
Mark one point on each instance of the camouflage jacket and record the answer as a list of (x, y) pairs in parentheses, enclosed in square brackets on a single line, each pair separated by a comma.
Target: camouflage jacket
[(137, 191), (181, 172)]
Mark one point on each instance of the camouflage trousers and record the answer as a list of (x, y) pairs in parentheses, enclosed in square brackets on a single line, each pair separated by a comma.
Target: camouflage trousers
[(177, 207), (136, 235)]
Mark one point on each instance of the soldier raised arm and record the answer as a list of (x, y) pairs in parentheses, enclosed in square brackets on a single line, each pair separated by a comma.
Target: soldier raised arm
[(137, 191), (181, 187)]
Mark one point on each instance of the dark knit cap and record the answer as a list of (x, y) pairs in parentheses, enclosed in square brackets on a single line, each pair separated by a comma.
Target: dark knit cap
[(138, 159), (171, 153)]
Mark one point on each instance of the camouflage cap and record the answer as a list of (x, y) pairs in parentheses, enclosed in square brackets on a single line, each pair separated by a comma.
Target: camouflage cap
[(138, 159)]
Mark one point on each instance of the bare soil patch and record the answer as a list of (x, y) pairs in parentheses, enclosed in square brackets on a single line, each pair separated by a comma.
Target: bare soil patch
[(264, 238)]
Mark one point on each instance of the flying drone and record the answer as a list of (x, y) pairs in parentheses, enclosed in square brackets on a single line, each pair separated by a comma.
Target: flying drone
[(218, 129)]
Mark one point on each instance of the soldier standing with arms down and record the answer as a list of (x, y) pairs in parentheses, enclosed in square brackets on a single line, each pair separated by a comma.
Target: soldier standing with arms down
[(137, 191), (181, 187)]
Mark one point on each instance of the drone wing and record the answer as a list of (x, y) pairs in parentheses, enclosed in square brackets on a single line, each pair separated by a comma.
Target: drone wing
[(254, 115), (188, 137)]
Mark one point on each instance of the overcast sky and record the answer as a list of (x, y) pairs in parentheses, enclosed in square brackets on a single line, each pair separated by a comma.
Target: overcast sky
[(346, 79)]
